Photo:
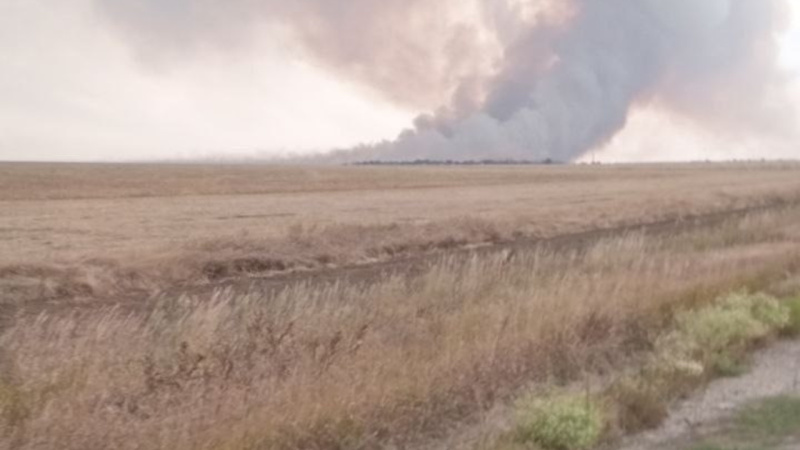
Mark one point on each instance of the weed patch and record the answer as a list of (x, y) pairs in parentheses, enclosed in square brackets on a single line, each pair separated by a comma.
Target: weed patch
[(560, 423), (706, 342), (793, 327), (13, 407), (639, 405), (718, 336)]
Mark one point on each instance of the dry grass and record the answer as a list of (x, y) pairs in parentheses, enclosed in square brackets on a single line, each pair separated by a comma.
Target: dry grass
[(348, 366), (43, 181), (106, 231)]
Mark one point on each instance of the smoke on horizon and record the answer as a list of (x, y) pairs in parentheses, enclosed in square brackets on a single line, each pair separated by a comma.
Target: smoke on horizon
[(518, 79)]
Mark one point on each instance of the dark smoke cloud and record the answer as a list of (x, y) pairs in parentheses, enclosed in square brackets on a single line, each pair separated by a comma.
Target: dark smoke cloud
[(565, 81), (563, 90)]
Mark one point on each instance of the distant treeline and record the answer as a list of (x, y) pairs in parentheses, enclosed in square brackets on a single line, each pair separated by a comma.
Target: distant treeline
[(449, 162)]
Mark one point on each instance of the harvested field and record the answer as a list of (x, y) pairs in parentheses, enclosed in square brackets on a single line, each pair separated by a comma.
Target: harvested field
[(103, 230), (401, 335)]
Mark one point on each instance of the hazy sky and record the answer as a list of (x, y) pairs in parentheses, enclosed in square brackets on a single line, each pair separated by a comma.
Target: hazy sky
[(73, 88)]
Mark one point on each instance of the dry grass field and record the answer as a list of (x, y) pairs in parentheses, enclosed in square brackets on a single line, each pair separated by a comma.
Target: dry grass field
[(403, 361), (92, 229)]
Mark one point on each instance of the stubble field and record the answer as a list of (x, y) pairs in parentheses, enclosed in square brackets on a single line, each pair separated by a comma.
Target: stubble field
[(100, 230)]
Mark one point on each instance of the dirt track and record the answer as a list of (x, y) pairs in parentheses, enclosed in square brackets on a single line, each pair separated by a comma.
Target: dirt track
[(413, 265)]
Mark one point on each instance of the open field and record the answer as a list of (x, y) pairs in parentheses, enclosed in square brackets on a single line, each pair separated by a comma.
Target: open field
[(407, 359), (60, 213), (100, 230)]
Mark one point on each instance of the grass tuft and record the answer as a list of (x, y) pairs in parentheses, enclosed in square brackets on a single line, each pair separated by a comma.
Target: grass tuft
[(793, 327), (639, 405), (719, 335), (770, 423), (561, 423)]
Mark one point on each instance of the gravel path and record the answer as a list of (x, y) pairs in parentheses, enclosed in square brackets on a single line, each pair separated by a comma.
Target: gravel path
[(776, 371)]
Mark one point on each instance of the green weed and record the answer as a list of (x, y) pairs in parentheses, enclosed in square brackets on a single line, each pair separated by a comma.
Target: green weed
[(793, 327), (561, 423), (774, 417), (763, 425)]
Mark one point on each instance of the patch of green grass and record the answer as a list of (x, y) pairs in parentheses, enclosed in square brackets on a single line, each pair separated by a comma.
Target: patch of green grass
[(705, 446), (709, 446), (14, 409), (774, 417), (728, 365), (764, 425), (560, 423), (505, 442), (793, 327)]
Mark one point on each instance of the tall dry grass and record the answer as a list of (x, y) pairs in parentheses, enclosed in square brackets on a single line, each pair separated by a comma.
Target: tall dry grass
[(383, 365)]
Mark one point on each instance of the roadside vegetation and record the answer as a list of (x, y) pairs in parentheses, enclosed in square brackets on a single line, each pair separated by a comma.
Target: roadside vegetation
[(559, 423), (702, 344), (407, 359), (706, 343), (769, 424)]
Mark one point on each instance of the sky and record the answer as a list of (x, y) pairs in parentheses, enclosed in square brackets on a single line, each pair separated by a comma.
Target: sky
[(73, 88), (791, 41)]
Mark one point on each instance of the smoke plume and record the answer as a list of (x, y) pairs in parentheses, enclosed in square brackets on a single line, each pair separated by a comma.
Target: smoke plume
[(517, 79)]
